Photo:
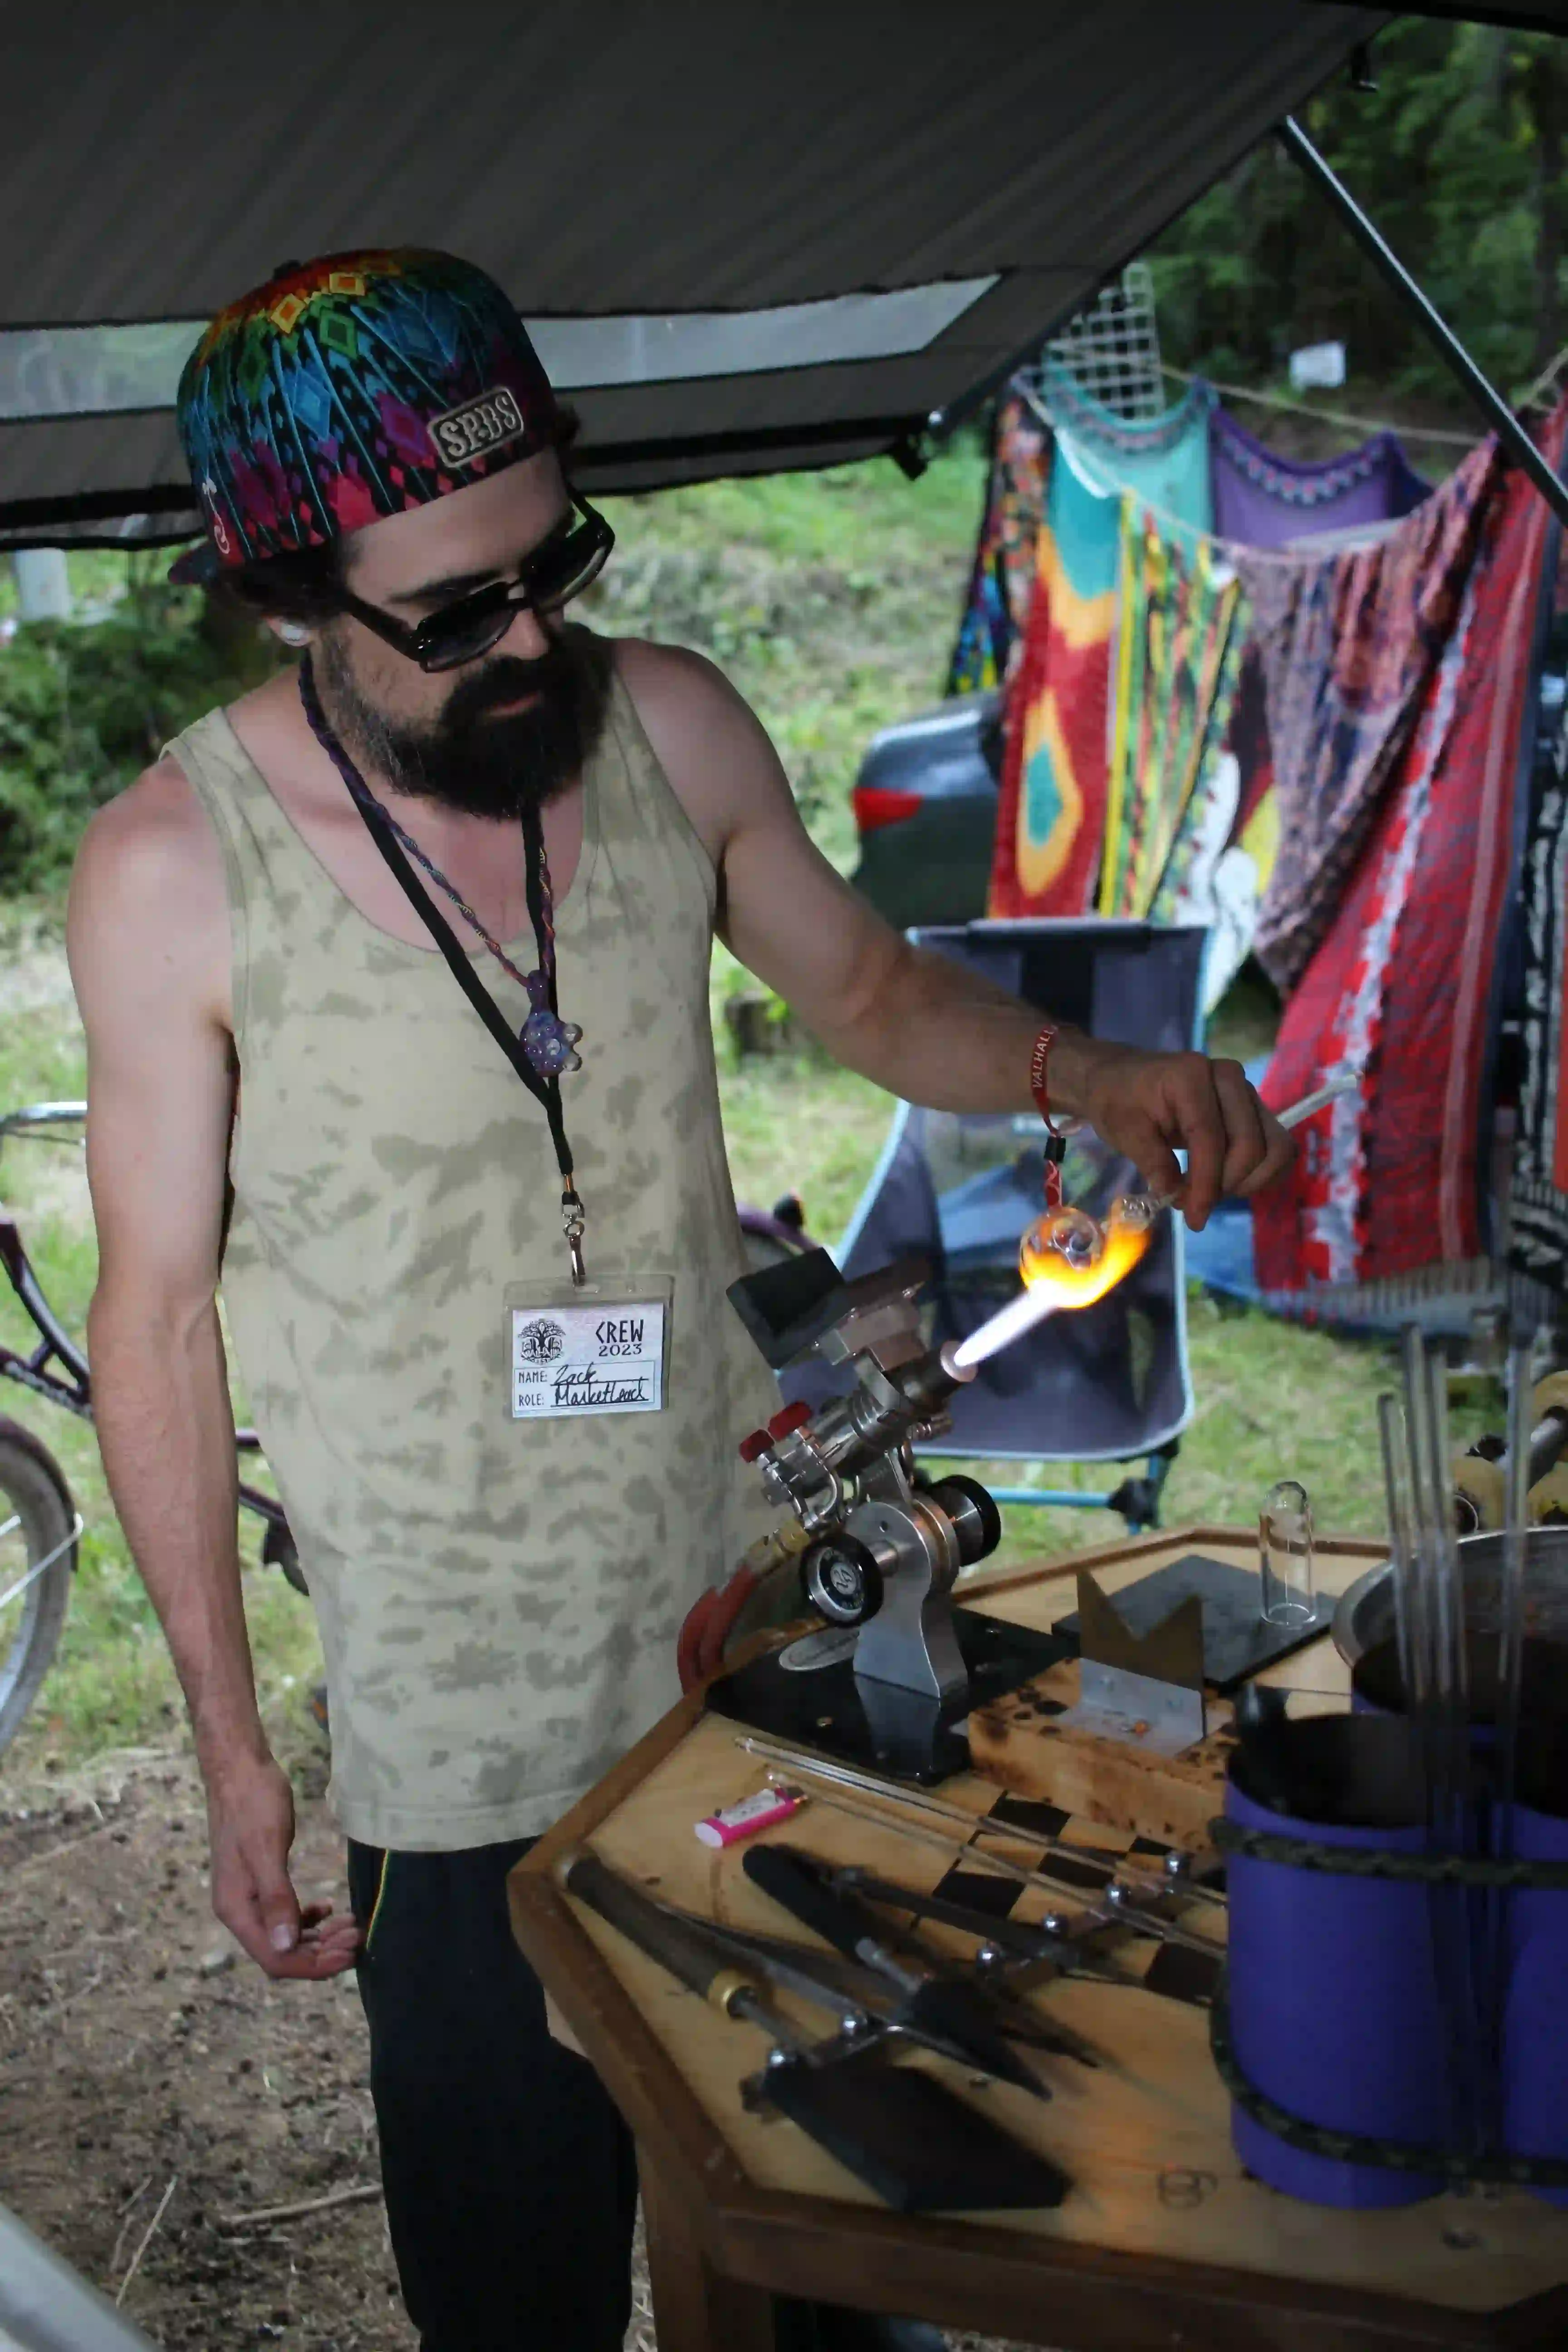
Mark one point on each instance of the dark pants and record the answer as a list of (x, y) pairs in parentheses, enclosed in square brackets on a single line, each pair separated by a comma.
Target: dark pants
[(510, 2179)]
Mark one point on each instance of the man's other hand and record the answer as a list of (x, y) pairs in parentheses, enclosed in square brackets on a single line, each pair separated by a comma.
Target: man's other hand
[(1150, 1106), (250, 1825)]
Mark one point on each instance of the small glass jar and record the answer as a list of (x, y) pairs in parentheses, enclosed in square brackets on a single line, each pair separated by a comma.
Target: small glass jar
[(1285, 1555)]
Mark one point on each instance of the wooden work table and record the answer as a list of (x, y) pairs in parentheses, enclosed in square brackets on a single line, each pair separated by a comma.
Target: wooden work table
[(1163, 2240)]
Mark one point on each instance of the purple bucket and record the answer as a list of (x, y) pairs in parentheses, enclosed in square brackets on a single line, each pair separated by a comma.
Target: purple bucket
[(1535, 2019), (1334, 2007)]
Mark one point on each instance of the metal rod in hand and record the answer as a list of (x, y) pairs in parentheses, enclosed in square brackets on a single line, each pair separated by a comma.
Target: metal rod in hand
[(1347, 1083), (1296, 1114)]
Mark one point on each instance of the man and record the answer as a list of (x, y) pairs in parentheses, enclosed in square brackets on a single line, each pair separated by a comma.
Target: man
[(500, 1555)]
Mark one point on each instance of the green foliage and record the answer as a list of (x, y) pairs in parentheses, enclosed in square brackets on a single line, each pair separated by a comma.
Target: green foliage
[(1457, 157), (829, 600), (83, 709)]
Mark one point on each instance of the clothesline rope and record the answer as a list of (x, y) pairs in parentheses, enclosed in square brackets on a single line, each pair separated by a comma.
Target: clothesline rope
[(1232, 551), (1546, 382), (1329, 415)]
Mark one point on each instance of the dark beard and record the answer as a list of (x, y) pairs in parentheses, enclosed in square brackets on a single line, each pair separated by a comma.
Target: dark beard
[(469, 760)]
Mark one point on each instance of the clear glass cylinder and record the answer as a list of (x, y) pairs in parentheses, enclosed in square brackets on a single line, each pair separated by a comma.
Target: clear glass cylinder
[(1285, 1555)]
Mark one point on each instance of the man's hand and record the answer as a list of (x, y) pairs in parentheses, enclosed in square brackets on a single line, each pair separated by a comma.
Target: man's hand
[(1150, 1106), (250, 1824)]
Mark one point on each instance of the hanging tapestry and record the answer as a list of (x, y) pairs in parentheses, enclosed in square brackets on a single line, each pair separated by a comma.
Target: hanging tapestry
[(1538, 1198), (1003, 572), (1350, 644), (1165, 460), (1384, 1203), (1179, 617), (1261, 500), (1050, 811), (1249, 739), (1212, 877), (1240, 875)]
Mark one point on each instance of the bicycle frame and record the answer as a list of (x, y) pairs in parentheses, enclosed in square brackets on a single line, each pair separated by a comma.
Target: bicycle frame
[(57, 1368)]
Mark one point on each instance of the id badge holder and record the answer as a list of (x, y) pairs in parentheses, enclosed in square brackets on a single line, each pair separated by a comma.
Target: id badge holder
[(599, 1346)]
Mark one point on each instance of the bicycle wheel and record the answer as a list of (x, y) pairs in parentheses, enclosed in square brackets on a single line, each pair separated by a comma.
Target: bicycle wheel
[(38, 1531)]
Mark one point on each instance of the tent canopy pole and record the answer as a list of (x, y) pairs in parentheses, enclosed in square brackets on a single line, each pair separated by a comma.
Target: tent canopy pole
[(1491, 402)]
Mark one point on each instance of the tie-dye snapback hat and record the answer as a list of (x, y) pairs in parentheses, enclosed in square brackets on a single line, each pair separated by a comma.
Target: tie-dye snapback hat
[(349, 388)]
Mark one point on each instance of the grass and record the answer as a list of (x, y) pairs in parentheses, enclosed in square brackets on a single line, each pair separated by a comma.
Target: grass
[(831, 601)]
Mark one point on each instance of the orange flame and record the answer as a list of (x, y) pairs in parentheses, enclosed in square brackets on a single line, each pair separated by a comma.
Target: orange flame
[(1045, 1266)]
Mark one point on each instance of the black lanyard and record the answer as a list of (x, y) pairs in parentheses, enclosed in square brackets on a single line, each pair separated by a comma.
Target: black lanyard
[(546, 1091)]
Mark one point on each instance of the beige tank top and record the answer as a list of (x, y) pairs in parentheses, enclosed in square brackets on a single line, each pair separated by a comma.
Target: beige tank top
[(499, 1601)]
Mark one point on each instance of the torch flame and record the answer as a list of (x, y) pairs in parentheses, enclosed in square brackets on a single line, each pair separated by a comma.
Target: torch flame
[(1070, 1280), (1066, 1261)]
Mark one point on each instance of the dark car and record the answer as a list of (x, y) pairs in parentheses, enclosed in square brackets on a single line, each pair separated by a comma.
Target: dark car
[(925, 805)]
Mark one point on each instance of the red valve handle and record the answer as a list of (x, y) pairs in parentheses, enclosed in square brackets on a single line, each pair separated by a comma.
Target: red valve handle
[(790, 1417), (757, 1444)]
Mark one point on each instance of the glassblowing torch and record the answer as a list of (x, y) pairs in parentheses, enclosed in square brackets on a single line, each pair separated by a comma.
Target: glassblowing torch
[(883, 1546)]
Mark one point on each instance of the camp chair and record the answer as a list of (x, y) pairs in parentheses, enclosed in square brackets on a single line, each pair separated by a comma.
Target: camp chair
[(1104, 1383)]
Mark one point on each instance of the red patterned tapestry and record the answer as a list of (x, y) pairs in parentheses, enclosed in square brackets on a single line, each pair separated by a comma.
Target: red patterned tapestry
[(1350, 644), (1384, 1202)]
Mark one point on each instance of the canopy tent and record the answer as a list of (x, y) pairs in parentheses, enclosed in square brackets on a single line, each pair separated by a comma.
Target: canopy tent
[(748, 238)]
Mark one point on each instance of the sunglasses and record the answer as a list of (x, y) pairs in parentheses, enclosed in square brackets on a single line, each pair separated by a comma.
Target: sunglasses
[(565, 562)]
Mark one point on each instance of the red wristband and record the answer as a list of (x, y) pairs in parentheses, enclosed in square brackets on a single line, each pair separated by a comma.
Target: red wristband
[(1038, 1059), (1057, 1146)]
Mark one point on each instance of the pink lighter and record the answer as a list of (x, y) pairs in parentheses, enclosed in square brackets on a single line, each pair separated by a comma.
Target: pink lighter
[(744, 1819)]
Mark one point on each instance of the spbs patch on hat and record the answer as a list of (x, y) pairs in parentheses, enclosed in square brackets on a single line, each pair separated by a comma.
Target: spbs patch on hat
[(349, 388), (465, 434)]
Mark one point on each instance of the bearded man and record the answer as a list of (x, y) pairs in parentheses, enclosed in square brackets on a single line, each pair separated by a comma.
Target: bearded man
[(336, 952)]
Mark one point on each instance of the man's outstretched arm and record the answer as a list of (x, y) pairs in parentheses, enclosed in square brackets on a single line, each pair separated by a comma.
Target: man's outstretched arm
[(916, 1023)]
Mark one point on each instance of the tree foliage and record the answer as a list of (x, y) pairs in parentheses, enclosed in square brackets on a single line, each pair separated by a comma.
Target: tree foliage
[(83, 710), (1458, 157)]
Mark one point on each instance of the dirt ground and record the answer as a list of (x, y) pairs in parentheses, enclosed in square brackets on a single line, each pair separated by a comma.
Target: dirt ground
[(149, 2073), (159, 2098), (145, 2064)]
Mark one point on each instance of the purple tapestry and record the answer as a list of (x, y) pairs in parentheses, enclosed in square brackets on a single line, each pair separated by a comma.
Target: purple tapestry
[(1349, 644), (1261, 500)]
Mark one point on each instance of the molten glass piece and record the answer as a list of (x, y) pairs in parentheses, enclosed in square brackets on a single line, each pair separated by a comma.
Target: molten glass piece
[(1068, 1234), (1076, 1260), (1067, 1259)]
